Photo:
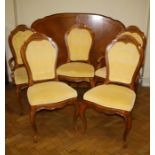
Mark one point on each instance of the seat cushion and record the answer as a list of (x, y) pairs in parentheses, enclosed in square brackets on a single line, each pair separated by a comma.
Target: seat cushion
[(20, 75), (112, 96), (101, 72), (76, 69), (50, 92)]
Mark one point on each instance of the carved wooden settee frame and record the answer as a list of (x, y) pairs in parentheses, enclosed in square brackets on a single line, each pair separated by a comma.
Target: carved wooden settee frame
[(104, 28)]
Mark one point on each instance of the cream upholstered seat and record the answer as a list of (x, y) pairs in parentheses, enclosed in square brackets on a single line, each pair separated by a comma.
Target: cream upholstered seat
[(112, 96), (19, 75), (39, 54), (117, 96), (132, 31), (101, 72), (49, 92), (79, 40), (76, 69)]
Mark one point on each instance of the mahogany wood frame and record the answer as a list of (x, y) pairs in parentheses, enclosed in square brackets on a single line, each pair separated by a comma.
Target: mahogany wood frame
[(131, 29), (125, 114), (13, 64), (78, 79), (104, 28), (35, 108)]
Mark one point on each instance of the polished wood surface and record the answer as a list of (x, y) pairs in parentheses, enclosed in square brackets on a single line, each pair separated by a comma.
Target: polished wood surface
[(57, 136), (55, 26)]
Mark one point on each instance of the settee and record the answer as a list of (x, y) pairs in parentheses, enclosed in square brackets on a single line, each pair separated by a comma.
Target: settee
[(104, 28)]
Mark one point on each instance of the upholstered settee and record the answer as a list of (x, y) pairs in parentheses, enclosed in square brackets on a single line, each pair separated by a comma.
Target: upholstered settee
[(104, 28)]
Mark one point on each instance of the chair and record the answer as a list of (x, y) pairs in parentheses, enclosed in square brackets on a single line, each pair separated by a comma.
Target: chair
[(18, 73), (100, 73), (79, 40), (39, 54), (116, 96)]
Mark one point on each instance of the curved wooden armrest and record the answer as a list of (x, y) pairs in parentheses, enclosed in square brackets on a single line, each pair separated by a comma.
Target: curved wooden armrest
[(100, 58), (11, 64), (99, 61)]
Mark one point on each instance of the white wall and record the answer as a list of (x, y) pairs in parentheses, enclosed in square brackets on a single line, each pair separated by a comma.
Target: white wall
[(9, 25), (130, 12), (146, 73)]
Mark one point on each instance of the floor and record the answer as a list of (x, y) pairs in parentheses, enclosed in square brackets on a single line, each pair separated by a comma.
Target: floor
[(57, 136)]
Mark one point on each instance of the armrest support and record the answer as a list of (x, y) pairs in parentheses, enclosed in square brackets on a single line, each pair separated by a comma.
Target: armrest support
[(100, 61), (12, 64)]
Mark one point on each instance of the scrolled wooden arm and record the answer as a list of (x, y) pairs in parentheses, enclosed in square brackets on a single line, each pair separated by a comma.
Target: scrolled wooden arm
[(11, 64), (99, 61), (100, 58)]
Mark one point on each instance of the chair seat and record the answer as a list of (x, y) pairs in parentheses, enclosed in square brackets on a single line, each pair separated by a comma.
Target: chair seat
[(76, 69), (112, 96), (50, 92), (101, 72), (21, 76)]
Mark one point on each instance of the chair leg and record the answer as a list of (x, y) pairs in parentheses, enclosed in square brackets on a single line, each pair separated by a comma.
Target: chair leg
[(82, 110), (33, 123), (128, 124), (18, 94), (92, 83)]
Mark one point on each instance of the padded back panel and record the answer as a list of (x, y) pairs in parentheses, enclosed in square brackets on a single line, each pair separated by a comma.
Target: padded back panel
[(18, 40), (79, 41), (135, 35), (123, 59), (41, 57)]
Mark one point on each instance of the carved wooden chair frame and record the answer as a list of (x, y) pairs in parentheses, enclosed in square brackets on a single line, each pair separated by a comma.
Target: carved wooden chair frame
[(131, 29), (35, 108), (13, 64), (125, 114), (78, 79)]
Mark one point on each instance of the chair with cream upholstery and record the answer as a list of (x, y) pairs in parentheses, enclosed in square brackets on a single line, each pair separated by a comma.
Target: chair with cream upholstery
[(79, 40), (116, 95), (18, 73), (137, 34), (39, 54)]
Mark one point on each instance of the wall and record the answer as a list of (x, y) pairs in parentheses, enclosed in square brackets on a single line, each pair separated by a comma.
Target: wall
[(130, 12), (10, 23)]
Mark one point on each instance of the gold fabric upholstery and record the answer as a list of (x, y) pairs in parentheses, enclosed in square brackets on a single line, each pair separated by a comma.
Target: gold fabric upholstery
[(135, 35), (101, 72), (20, 75), (79, 43), (42, 63), (112, 96), (76, 69), (123, 59), (18, 39), (50, 92)]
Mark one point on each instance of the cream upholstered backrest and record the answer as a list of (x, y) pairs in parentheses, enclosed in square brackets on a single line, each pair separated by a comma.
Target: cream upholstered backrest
[(18, 40), (134, 35), (41, 56), (79, 41), (123, 58)]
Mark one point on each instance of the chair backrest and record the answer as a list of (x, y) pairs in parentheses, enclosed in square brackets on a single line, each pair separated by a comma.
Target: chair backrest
[(123, 59), (16, 39), (39, 54), (135, 32), (79, 40)]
